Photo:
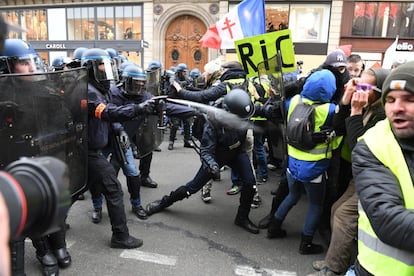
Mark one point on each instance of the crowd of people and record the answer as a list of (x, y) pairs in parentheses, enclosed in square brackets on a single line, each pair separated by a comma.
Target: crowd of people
[(358, 176)]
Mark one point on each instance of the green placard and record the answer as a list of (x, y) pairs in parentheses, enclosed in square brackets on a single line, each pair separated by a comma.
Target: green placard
[(253, 50)]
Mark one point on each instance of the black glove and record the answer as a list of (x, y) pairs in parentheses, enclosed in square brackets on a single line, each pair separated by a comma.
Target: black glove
[(319, 137), (124, 140), (146, 107), (135, 151), (215, 171), (325, 134)]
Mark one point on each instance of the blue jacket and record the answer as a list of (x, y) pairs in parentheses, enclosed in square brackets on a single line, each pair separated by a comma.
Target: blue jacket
[(319, 87), (102, 112)]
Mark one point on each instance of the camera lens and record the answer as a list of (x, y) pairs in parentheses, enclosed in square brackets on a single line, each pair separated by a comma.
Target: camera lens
[(36, 191)]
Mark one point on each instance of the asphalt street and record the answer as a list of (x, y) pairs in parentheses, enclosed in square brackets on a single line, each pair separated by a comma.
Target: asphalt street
[(190, 237)]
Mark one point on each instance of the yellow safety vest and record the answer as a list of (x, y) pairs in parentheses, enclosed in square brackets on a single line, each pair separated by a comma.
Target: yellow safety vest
[(323, 150), (375, 256)]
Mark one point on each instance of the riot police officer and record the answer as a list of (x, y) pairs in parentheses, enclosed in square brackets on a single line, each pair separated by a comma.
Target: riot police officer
[(131, 89), (60, 63), (77, 56), (221, 145), (101, 112), (181, 75), (19, 57)]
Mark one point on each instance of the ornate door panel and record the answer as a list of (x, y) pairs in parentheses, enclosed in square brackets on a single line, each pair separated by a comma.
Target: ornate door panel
[(181, 43)]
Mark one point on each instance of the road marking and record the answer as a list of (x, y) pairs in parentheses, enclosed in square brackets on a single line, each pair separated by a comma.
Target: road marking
[(149, 257), (250, 271)]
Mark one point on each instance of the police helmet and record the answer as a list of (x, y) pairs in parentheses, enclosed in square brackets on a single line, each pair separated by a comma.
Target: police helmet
[(154, 65), (195, 73), (134, 79), (100, 65), (114, 55), (123, 58), (238, 102), (182, 67), (122, 67), (17, 51), (77, 56), (59, 63), (181, 71)]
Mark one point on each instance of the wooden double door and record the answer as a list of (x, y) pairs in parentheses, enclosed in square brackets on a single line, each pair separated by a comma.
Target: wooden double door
[(182, 43)]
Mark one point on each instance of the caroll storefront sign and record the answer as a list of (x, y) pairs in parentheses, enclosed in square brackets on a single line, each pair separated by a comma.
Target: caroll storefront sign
[(55, 46)]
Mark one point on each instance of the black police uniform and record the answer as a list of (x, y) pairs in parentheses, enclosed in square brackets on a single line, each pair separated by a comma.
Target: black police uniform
[(120, 97), (101, 174), (219, 146), (176, 121)]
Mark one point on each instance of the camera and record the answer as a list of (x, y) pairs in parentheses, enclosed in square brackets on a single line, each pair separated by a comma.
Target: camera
[(37, 195)]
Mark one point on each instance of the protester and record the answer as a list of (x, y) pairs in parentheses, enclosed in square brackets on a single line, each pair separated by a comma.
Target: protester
[(307, 168), (355, 65), (383, 168), (360, 109)]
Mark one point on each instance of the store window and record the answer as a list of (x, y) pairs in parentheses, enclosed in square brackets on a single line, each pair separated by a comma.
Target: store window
[(277, 17), (81, 23), (34, 21), (104, 23), (383, 19), (128, 22), (308, 22)]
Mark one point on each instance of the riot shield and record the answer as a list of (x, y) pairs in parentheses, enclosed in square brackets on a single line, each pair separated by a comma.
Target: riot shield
[(46, 115), (154, 82), (271, 69), (148, 136)]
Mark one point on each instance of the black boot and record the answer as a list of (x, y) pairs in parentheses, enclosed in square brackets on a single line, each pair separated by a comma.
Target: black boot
[(242, 220), (63, 257), (281, 192), (242, 217), (134, 187), (45, 256), (57, 242), (307, 247), (17, 257), (265, 222), (274, 231), (167, 200), (97, 215)]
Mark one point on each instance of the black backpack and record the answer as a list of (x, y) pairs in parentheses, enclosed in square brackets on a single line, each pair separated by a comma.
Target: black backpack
[(301, 125)]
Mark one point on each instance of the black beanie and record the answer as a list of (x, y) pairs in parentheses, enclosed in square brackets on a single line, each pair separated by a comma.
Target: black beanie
[(380, 76)]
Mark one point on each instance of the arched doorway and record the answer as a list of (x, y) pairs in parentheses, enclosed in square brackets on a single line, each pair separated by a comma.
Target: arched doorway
[(181, 43)]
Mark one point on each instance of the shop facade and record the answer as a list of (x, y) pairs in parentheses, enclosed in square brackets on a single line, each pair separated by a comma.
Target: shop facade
[(169, 31)]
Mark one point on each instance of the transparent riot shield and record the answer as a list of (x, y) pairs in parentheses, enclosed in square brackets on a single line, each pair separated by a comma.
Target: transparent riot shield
[(46, 115), (271, 70), (148, 136), (154, 82)]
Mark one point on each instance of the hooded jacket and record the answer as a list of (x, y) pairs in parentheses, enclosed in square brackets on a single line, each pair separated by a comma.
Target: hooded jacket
[(318, 88)]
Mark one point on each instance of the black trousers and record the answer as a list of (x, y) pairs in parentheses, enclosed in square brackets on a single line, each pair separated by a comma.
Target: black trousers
[(102, 178)]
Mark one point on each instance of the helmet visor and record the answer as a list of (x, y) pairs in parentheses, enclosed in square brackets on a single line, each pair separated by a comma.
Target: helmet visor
[(104, 69), (153, 81), (134, 85), (28, 64)]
